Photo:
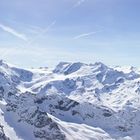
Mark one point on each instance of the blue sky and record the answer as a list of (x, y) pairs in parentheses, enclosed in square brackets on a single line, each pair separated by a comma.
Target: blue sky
[(43, 32)]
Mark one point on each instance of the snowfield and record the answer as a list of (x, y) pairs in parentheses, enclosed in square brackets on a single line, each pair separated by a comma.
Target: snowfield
[(74, 101)]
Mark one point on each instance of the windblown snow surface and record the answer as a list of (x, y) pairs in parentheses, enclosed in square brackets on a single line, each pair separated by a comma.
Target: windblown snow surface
[(74, 101)]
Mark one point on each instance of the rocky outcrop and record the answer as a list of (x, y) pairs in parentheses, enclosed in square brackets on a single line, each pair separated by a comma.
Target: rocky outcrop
[(2, 134)]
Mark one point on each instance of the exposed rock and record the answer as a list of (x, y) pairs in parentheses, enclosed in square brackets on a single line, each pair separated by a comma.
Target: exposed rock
[(2, 134)]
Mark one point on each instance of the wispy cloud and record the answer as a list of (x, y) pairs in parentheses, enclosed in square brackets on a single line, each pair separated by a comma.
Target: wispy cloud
[(13, 32), (42, 32), (28, 42), (78, 3), (86, 34)]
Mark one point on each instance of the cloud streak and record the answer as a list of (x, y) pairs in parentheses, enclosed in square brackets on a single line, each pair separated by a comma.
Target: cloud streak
[(13, 32), (44, 31), (28, 42), (86, 34)]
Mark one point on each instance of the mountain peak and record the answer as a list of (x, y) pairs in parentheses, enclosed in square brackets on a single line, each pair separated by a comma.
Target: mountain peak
[(3, 63), (87, 95), (68, 67)]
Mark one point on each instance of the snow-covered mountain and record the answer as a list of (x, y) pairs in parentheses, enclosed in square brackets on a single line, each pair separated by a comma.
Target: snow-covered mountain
[(74, 101)]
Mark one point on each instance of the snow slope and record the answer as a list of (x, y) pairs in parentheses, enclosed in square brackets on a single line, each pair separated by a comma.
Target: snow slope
[(72, 102)]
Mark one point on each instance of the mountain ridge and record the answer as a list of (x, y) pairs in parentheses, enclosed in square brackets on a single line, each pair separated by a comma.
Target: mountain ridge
[(90, 101)]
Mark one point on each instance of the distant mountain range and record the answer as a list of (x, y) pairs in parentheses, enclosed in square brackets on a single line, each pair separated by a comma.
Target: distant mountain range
[(74, 101)]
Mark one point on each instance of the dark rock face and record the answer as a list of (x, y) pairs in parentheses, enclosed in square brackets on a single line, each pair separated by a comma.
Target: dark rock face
[(123, 128), (42, 120), (1, 92), (23, 75), (63, 103), (2, 134), (11, 107), (44, 127), (52, 132), (74, 112), (67, 68), (69, 83), (107, 113), (43, 134), (73, 68), (65, 106)]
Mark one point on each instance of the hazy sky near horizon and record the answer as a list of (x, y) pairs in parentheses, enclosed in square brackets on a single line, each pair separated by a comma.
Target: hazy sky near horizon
[(45, 32)]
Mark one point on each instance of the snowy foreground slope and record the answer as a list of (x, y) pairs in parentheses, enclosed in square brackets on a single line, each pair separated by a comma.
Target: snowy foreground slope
[(75, 101)]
